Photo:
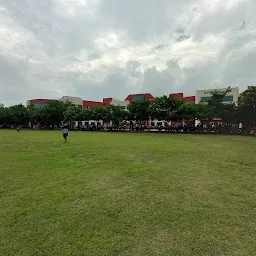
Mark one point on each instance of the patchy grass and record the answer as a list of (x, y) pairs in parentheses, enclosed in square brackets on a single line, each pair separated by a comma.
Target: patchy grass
[(126, 194)]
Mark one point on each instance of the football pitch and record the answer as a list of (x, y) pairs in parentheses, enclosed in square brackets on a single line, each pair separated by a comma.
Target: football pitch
[(126, 194)]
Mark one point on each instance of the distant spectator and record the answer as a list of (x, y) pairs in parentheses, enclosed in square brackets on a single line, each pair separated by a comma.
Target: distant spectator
[(240, 126)]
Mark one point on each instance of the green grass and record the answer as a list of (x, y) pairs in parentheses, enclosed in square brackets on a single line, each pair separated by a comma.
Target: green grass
[(127, 194)]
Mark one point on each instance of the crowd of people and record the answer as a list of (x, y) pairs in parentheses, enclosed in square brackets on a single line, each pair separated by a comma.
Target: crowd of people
[(165, 127), (158, 127)]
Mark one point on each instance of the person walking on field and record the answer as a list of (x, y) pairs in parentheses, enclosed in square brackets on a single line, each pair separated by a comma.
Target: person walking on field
[(65, 133), (240, 126)]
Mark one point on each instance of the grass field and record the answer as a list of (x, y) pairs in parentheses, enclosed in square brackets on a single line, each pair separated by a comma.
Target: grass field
[(127, 194)]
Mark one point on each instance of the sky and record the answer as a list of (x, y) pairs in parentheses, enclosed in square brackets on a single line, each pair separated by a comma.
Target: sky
[(111, 48)]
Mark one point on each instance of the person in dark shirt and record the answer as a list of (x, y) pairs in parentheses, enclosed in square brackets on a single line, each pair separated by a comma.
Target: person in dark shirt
[(65, 133)]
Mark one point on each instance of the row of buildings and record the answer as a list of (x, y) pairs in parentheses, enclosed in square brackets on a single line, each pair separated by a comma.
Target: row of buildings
[(200, 96)]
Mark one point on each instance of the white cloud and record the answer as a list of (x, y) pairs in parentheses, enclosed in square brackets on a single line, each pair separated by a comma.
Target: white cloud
[(98, 48)]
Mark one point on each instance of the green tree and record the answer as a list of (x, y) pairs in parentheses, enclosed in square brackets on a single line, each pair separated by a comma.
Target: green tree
[(229, 113), (53, 113), (203, 112), (195, 111), (218, 97), (98, 113), (72, 114), (215, 103), (188, 111), (114, 114), (5, 116), (247, 106), (34, 114), (248, 97), (139, 110), (166, 108), (85, 114), (19, 115)]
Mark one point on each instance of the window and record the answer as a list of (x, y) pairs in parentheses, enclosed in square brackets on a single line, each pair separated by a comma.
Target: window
[(204, 99), (228, 98), (39, 105), (123, 107), (137, 97)]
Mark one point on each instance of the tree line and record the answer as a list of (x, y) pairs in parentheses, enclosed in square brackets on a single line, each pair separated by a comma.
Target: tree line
[(161, 108)]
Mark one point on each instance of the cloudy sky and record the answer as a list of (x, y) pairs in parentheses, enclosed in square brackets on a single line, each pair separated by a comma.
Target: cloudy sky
[(111, 48)]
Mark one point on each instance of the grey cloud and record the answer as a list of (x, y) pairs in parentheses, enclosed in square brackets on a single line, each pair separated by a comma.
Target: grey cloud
[(180, 30), (182, 38), (241, 70), (159, 47), (70, 53), (243, 25), (142, 20)]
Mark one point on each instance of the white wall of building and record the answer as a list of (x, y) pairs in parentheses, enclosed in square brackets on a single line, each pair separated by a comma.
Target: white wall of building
[(88, 122), (122, 103), (74, 100), (231, 97)]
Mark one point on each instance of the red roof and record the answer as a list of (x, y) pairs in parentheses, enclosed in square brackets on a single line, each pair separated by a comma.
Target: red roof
[(177, 95), (90, 103), (190, 99), (107, 101), (147, 96)]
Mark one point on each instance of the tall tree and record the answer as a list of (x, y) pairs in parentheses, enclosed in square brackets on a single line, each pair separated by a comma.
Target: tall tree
[(53, 113), (248, 97), (19, 114), (217, 97), (247, 106), (139, 110), (5, 116), (166, 108), (215, 103), (85, 114), (196, 111), (34, 114), (203, 112), (72, 114), (114, 114), (188, 111), (98, 113)]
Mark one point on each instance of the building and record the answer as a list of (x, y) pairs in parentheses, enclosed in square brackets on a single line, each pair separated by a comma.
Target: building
[(141, 96), (75, 100), (90, 104), (205, 95), (180, 95), (121, 103), (201, 96), (39, 103), (190, 99), (177, 95)]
